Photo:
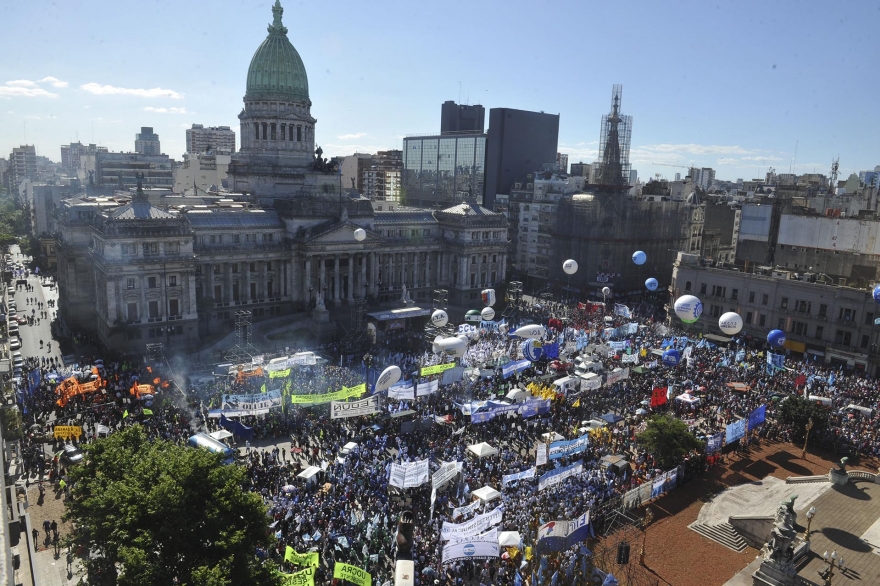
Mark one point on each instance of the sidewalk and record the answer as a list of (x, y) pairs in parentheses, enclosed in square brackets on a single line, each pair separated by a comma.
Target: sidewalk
[(52, 570)]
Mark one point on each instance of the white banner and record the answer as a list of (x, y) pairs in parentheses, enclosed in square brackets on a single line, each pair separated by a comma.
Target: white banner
[(508, 478), (409, 474), (476, 525), (556, 476), (476, 547), (540, 454), (403, 392), (591, 384), (466, 510), (343, 409), (613, 377), (630, 358), (254, 404), (102, 429), (303, 359), (427, 388), (256, 360), (447, 472)]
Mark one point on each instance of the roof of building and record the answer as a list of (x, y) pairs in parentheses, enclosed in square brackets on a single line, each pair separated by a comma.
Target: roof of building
[(222, 220), (404, 216), (469, 209), (140, 210), (276, 71)]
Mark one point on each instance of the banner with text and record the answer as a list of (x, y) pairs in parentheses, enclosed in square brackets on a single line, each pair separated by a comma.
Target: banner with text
[(301, 559), (340, 395), (436, 369), (508, 478), (302, 578), (427, 388), (477, 547), (242, 405), (569, 448), (352, 574), (409, 474), (473, 527), (554, 477), (343, 409)]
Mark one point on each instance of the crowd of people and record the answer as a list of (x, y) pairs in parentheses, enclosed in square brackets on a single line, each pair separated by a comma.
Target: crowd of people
[(348, 511)]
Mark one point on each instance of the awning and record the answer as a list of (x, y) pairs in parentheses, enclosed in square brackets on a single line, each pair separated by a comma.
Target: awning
[(220, 435), (309, 472), (612, 418), (717, 338), (482, 449), (402, 313), (486, 494), (795, 346)]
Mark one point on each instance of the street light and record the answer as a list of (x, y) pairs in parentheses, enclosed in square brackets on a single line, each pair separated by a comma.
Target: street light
[(810, 514), (310, 295), (834, 563), (809, 426), (649, 516)]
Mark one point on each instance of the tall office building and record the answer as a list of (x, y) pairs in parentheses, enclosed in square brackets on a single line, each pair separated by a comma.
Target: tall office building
[(200, 139), (562, 162), (519, 142), (703, 177), (443, 170), (461, 118), (146, 142), (22, 165)]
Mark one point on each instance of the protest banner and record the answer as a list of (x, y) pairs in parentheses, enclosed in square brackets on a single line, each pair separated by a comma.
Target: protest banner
[(352, 574), (409, 474), (556, 476), (304, 577), (476, 547), (343, 409), (436, 369), (569, 448), (508, 478), (251, 404), (473, 527), (310, 559), (67, 431), (340, 395)]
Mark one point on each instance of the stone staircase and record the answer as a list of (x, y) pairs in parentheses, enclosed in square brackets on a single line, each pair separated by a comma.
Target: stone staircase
[(806, 479), (725, 534)]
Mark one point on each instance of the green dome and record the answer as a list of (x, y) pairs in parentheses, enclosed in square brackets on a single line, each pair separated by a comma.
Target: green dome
[(277, 71)]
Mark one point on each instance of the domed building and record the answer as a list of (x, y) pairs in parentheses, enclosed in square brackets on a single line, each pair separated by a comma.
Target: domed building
[(277, 157)]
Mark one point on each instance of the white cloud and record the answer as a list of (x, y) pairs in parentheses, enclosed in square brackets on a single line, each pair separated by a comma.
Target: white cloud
[(699, 149), (353, 136), (21, 91), (343, 150), (54, 81), (165, 110), (22, 83), (108, 90)]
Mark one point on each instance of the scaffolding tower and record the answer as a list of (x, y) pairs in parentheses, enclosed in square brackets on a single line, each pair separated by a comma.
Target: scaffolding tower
[(155, 353), (243, 351), (514, 297), (357, 340), (615, 136), (440, 300)]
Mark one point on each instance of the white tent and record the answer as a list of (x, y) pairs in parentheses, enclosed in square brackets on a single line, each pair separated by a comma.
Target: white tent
[(689, 399), (482, 449), (509, 539), (309, 473), (552, 437), (518, 395), (594, 423), (220, 434), (486, 494)]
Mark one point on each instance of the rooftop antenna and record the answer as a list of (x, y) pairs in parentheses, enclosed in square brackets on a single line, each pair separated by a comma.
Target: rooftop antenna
[(459, 92), (794, 164)]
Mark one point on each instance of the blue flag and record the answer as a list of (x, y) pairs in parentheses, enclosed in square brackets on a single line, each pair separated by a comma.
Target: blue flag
[(757, 417)]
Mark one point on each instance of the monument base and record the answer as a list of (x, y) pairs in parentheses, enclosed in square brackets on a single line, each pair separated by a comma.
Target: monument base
[(773, 573), (321, 327), (838, 477)]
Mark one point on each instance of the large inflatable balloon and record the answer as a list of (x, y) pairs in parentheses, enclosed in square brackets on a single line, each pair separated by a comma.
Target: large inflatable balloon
[(651, 284), (570, 266), (606, 291), (730, 323), (877, 293), (776, 338), (488, 297), (473, 315), (360, 234), (488, 314), (388, 377), (688, 308), (530, 331), (532, 350), (454, 346), (639, 257), (439, 318), (671, 357)]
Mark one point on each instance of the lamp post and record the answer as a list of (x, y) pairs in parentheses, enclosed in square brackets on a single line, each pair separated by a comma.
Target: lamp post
[(649, 516), (834, 563), (810, 514), (809, 426), (310, 296)]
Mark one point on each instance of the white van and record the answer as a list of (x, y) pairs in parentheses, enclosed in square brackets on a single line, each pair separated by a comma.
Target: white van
[(583, 365)]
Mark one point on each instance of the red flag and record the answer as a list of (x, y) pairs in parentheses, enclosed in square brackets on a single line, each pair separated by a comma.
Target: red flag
[(658, 396), (800, 381)]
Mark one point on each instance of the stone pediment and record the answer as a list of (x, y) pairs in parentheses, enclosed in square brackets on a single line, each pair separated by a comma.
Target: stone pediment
[(342, 234)]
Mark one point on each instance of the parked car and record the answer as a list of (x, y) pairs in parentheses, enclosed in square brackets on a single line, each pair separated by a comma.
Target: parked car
[(71, 455), (22, 320), (15, 343)]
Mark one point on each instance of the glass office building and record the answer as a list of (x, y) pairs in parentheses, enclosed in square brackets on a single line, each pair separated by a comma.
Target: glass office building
[(443, 170)]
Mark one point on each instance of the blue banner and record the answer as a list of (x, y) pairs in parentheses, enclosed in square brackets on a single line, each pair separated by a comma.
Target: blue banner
[(33, 381), (775, 361), (513, 367), (568, 448), (736, 430), (551, 351), (757, 417), (713, 444), (622, 310)]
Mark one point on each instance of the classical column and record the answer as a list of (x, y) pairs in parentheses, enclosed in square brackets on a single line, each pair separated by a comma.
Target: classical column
[(229, 282), (351, 258), (262, 293), (336, 278), (391, 280), (362, 290), (321, 276), (307, 282), (244, 289), (142, 312), (415, 269), (110, 287), (503, 271), (439, 282), (428, 279), (191, 293), (374, 273)]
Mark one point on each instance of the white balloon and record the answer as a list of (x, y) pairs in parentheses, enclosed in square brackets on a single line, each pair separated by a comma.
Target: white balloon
[(439, 318), (531, 331), (388, 377), (730, 323), (488, 314), (606, 291), (454, 346), (360, 234), (570, 266), (688, 308)]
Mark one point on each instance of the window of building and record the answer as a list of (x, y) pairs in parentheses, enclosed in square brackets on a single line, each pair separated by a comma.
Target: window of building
[(715, 311), (869, 318), (687, 287), (803, 306), (235, 268), (762, 320), (174, 308), (783, 303), (414, 233), (484, 258), (494, 258), (268, 265), (780, 323), (703, 289), (172, 280), (751, 296), (819, 331), (847, 314), (151, 282), (236, 238), (842, 337), (299, 134), (268, 237), (474, 260), (153, 308), (216, 269), (151, 248), (290, 133), (129, 283), (129, 249), (475, 235), (864, 343), (172, 248), (823, 310), (213, 239), (765, 299), (132, 310), (473, 280), (734, 294), (799, 328), (426, 232), (748, 317)]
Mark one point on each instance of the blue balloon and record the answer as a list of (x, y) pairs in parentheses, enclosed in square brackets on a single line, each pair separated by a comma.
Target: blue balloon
[(776, 338), (652, 284), (671, 357), (532, 350), (877, 293), (639, 257)]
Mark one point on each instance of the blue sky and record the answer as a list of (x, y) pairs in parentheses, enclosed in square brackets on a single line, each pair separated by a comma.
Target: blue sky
[(730, 85)]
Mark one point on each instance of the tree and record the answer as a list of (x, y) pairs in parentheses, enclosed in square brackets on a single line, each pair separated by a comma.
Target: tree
[(155, 513), (668, 439), (796, 411)]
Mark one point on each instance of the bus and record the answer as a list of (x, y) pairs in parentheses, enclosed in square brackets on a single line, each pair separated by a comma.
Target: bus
[(206, 442)]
